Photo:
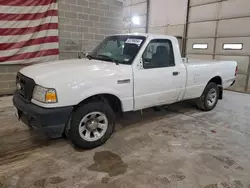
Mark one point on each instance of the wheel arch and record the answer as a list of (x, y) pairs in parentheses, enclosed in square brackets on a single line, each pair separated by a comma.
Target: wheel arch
[(218, 81), (111, 99)]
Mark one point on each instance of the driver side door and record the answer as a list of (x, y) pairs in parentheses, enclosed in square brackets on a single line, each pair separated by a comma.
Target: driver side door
[(157, 82)]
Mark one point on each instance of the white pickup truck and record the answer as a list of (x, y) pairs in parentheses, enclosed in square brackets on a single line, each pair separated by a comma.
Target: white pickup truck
[(126, 72)]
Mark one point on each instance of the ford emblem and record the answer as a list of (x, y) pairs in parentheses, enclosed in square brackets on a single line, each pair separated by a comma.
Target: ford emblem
[(18, 86)]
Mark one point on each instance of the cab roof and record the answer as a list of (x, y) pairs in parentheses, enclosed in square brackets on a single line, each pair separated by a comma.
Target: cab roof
[(149, 35)]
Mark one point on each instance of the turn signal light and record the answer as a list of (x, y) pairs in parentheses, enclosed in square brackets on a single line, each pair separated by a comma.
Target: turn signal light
[(50, 96)]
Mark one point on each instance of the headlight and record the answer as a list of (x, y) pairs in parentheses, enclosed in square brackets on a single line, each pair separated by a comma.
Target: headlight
[(44, 95)]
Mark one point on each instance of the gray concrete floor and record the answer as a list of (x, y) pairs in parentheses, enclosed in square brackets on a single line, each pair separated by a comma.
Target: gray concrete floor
[(176, 147)]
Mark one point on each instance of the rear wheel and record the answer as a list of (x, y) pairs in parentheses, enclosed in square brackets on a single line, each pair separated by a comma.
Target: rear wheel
[(92, 124), (209, 98)]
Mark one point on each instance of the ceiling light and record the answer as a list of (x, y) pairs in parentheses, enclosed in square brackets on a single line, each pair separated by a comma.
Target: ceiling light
[(136, 20)]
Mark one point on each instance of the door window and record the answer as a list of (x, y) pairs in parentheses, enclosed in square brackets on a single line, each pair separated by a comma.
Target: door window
[(159, 53)]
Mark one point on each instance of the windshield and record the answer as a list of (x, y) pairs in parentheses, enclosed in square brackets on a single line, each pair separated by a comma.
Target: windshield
[(121, 49)]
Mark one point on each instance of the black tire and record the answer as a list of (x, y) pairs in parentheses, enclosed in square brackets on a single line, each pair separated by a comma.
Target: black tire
[(95, 106), (202, 102)]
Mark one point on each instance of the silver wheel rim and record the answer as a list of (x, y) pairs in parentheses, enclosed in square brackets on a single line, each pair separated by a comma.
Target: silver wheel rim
[(212, 97), (93, 126)]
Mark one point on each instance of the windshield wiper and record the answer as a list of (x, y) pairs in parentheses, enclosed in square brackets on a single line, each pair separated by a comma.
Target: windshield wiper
[(90, 56), (109, 58)]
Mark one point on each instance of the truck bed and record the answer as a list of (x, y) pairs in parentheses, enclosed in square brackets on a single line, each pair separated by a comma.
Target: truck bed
[(200, 71), (198, 61)]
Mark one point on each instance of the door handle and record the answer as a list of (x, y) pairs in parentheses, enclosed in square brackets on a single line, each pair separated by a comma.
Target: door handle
[(176, 73)]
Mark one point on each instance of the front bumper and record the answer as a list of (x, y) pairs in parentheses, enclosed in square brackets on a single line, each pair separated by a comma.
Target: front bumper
[(50, 121)]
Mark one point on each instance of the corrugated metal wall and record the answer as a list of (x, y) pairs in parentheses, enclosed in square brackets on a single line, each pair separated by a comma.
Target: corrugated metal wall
[(210, 22), (163, 18), (220, 22), (167, 17)]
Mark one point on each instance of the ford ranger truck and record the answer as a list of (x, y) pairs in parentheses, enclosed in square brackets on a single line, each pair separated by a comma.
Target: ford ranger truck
[(126, 72)]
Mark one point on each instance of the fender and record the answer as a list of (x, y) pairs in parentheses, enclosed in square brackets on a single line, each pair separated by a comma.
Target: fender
[(215, 75), (97, 91), (126, 103)]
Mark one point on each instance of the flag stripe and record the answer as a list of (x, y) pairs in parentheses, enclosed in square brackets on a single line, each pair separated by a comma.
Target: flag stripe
[(30, 55), (26, 49), (27, 30), (32, 61), (28, 23), (28, 16), (10, 46), (27, 9), (26, 37), (26, 2)]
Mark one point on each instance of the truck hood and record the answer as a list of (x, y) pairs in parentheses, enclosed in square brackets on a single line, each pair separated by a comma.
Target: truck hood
[(73, 70)]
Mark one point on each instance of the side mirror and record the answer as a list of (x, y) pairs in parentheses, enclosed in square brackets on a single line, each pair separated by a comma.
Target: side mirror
[(140, 65), (81, 55), (185, 60)]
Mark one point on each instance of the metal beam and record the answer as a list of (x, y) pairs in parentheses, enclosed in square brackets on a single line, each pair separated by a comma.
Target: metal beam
[(136, 4), (248, 76), (221, 54), (216, 29), (237, 17), (221, 37), (147, 16), (204, 4), (184, 41)]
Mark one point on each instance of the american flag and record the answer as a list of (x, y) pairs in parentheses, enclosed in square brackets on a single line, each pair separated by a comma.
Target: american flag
[(28, 31)]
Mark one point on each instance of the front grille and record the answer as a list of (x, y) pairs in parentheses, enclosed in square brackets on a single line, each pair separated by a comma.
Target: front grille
[(27, 86)]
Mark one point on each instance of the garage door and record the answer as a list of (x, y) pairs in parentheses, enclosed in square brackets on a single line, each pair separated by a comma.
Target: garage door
[(219, 29)]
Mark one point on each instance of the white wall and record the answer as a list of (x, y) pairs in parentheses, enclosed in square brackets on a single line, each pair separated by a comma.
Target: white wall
[(135, 8), (167, 16), (215, 23)]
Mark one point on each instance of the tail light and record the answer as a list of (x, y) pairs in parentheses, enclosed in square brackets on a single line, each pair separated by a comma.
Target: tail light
[(236, 70)]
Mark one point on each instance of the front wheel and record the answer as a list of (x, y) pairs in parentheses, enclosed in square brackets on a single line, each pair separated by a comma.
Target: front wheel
[(209, 98), (92, 124)]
